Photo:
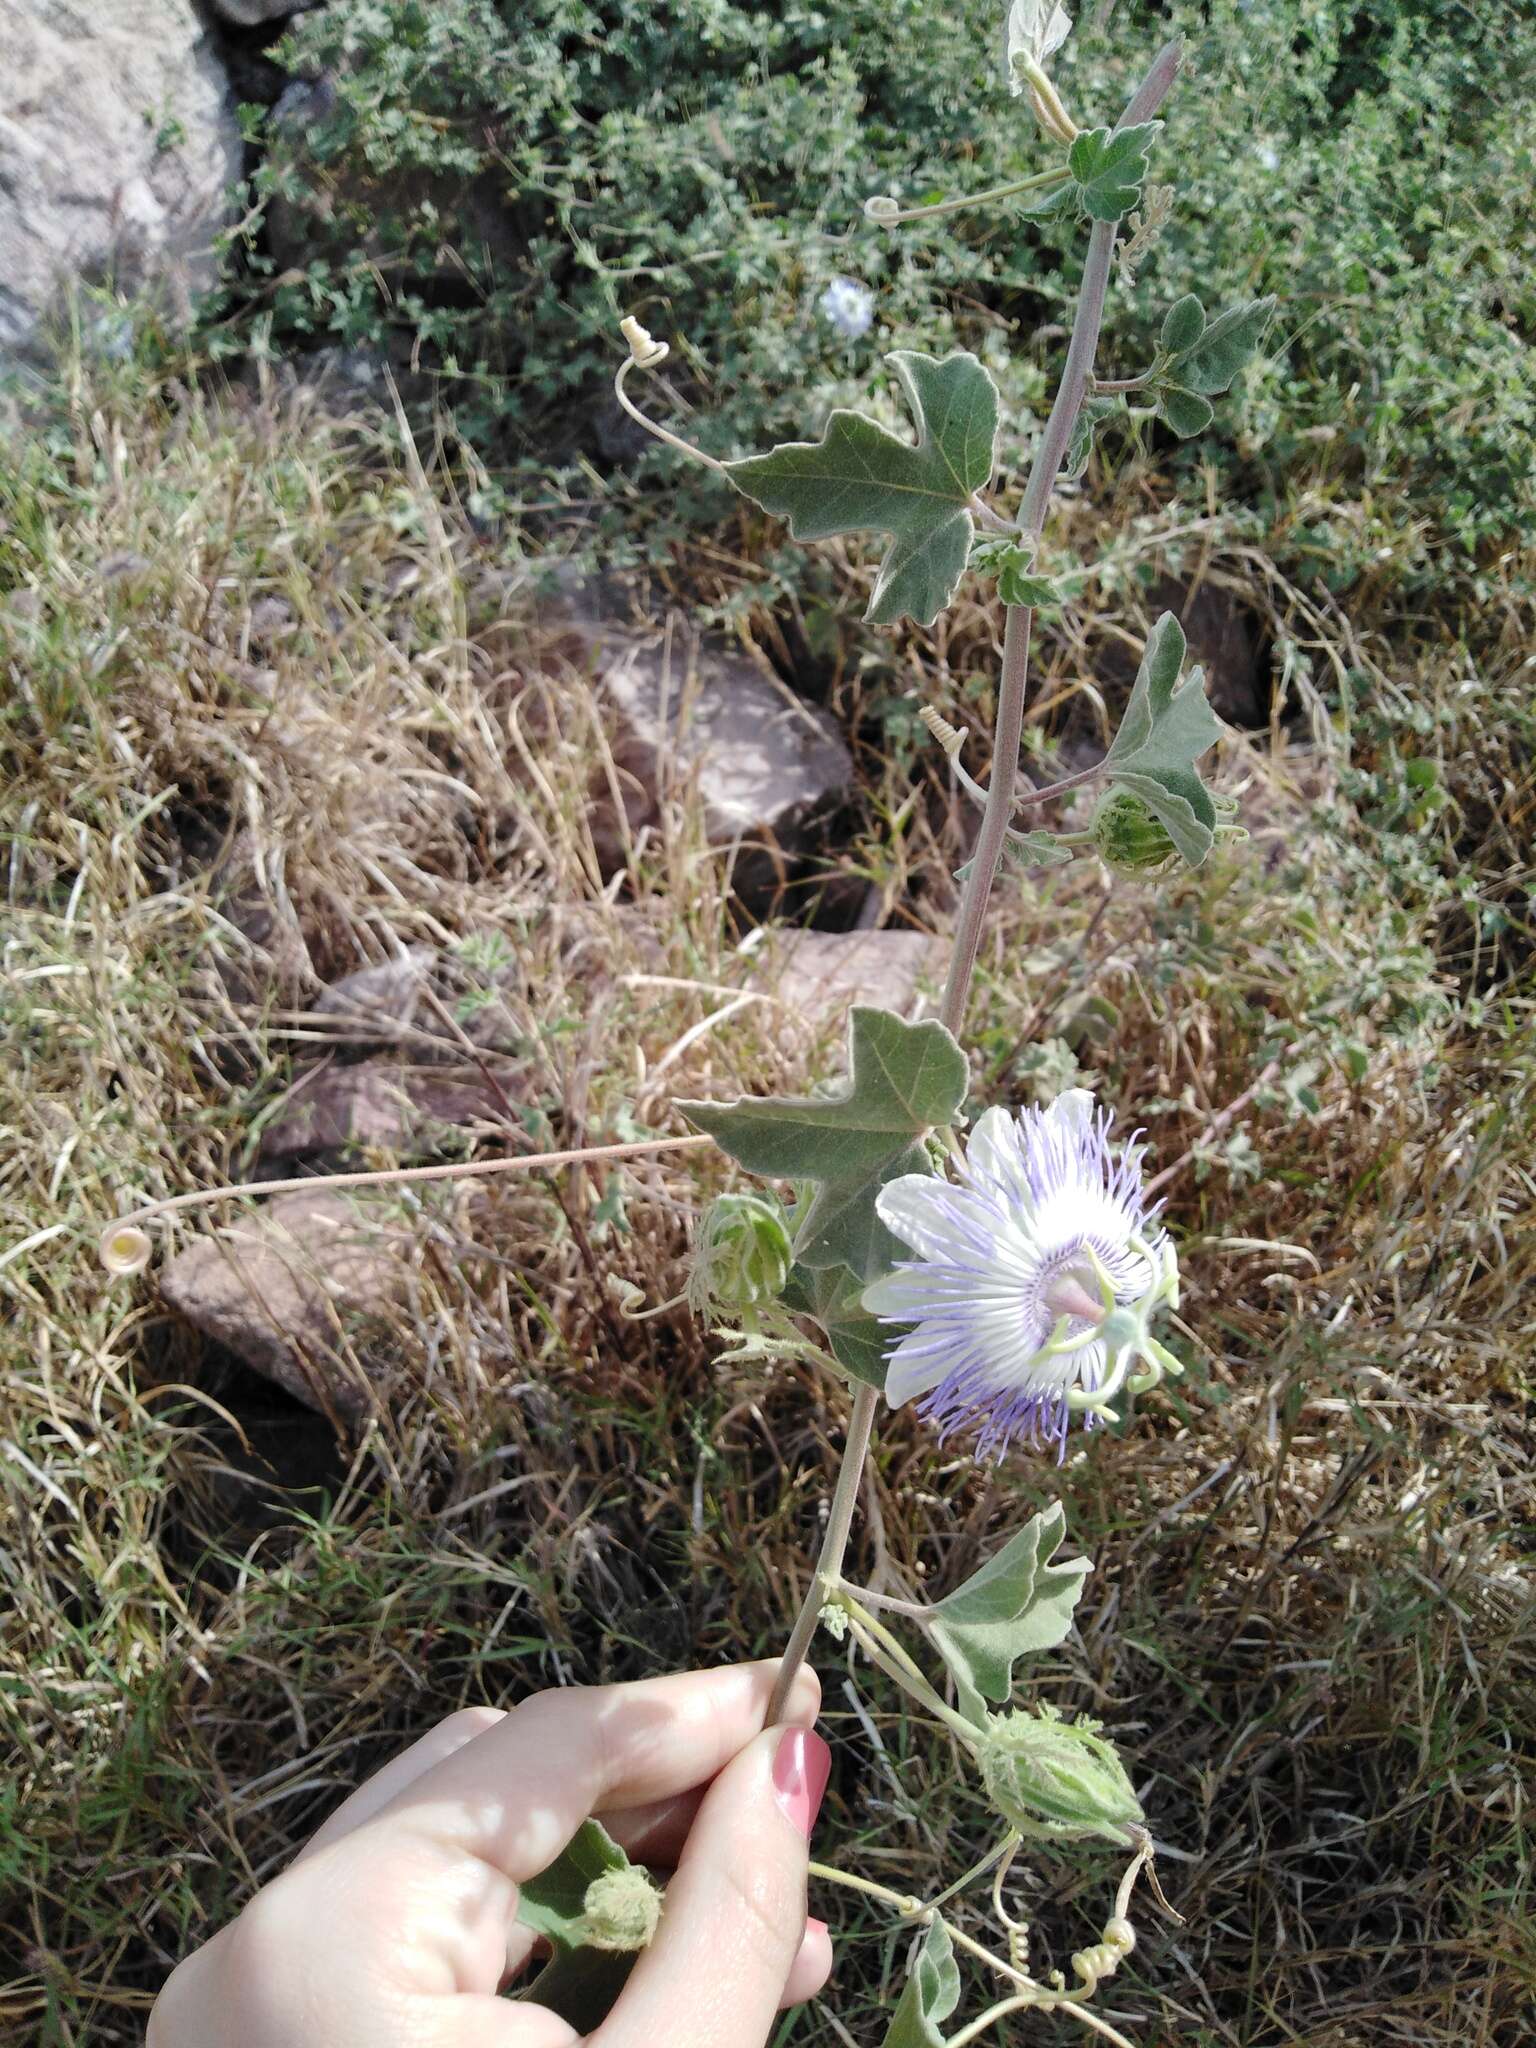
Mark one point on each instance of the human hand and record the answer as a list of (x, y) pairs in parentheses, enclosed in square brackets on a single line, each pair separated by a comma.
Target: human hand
[(395, 1927)]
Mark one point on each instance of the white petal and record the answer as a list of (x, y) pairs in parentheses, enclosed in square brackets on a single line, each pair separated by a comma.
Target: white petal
[(898, 1296), (993, 1158), (1035, 29), (1072, 1111), (908, 1376), (933, 1216)]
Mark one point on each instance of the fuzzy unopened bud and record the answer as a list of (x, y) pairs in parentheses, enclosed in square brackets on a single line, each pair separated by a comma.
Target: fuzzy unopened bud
[(1048, 1776), (1132, 839), (620, 1911), (1129, 837), (743, 1255)]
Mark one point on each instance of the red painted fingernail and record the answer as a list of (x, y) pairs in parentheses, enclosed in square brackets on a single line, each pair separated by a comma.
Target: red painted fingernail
[(800, 1767)]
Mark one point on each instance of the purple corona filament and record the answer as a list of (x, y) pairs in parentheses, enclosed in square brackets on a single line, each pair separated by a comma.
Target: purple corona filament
[(1016, 1263)]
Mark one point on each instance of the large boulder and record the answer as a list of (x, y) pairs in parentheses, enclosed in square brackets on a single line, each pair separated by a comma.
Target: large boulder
[(118, 150)]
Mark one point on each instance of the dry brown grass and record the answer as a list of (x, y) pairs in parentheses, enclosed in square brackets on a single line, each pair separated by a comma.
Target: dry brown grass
[(254, 655)]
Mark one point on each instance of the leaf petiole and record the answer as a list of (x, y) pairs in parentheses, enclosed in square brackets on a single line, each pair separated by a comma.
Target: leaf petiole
[(1036, 182), (883, 1650)]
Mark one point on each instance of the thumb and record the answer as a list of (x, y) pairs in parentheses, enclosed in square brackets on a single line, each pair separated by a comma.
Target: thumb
[(735, 1912)]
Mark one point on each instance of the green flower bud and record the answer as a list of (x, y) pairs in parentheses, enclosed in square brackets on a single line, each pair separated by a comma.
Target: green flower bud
[(1047, 1776), (743, 1254), (620, 1911), (1129, 837)]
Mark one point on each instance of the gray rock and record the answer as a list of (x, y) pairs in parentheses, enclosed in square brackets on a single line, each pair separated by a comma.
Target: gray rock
[(385, 998), (261, 951), (818, 976), (118, 148), (765, 766), (286, 1289), (403, 1110), (252, 13)]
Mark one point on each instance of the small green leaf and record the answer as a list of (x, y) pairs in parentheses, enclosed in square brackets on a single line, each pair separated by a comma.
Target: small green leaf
[(1028, 850), (1011, 562), (580, 1985), (1017, 1603), (1019, 588), (1185, 411), (1109, 168), (833, 1296), (1183, 325), (1225, 346), (1036, 850), (904, 1079), (858, 478), (1167, 726), (930, 1995), (1091, 415)]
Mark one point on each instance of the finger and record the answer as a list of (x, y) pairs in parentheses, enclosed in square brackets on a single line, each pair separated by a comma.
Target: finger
[(812, 1966), (734, 1919), (515, 1796), (655, 1833), (435, 1747)]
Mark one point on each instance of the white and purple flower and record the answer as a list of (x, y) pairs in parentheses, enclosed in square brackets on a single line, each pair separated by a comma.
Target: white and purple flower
[(1035, 1276)]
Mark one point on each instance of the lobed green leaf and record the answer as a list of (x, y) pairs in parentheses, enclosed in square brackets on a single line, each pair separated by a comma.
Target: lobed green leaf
[(904, 1079), (833, 1295), (1167, 726), (859, 478), (1109, 168), (1017, 1603), (1183, 325), (1225, 346), (1185, 411), (1011, 562)]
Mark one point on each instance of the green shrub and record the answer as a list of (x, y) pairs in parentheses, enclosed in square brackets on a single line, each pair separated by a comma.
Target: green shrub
[(497, 181)]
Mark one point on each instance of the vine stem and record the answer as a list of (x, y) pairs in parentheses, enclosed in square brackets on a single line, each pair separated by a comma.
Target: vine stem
[(900, 1667), (918, 1913), (1144, 103), (1052, 452), (408, 1176), (1042, 2001), (834, 1547)]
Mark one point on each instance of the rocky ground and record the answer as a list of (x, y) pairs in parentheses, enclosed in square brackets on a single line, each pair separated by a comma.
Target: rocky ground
[(340, 835), (342, 830)]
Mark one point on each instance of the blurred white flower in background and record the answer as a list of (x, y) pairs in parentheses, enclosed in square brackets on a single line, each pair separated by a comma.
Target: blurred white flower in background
[(849, 307)]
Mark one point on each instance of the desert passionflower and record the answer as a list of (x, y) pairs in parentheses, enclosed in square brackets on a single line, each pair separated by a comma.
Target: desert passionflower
[(1036, 1274)]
